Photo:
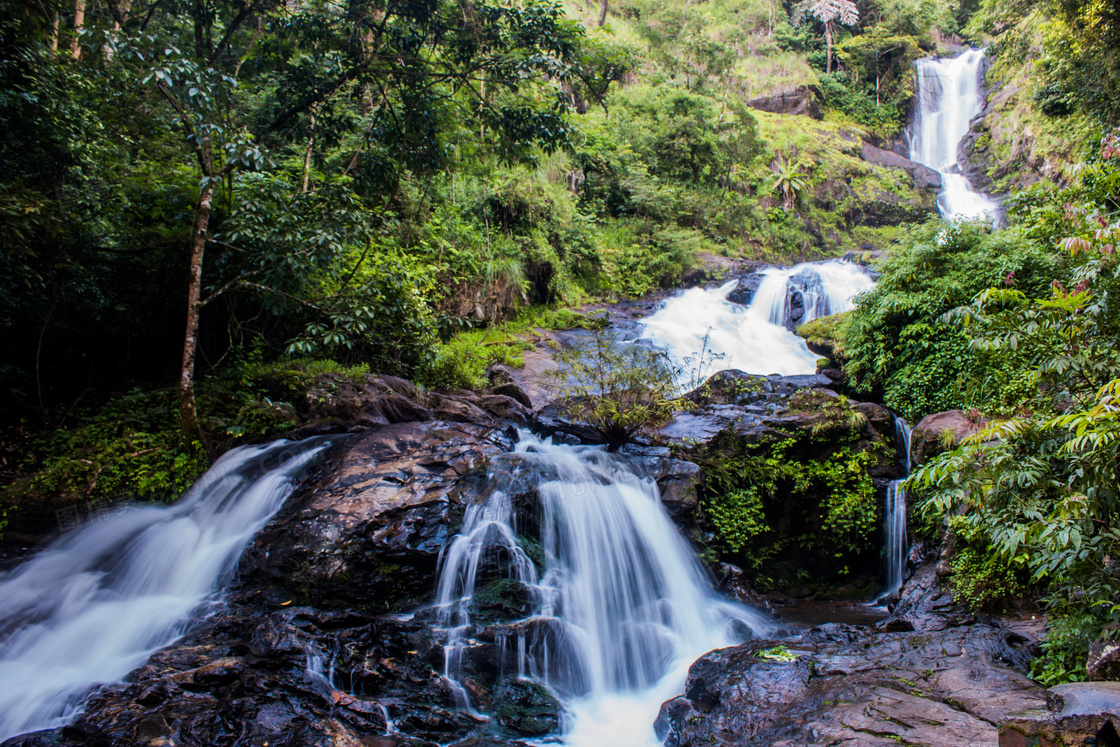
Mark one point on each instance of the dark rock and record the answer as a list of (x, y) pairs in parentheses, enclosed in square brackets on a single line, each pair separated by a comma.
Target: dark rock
[(677, 480), (925, 605), (1104, 661), (526, 708), (512, 390), (554, 421), (853, 687), (371, 535), (384, 399), (744, 291), (940, 432), (799, 100), (924, 177), (457, 408)]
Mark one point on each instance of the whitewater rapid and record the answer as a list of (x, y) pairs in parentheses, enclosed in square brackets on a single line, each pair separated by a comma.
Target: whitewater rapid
[(757, 338)]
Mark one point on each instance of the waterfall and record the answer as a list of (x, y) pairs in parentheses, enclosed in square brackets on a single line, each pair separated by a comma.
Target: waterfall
[(895, 535), (757, 339), (948, 99), (619, 604), (98, 601)]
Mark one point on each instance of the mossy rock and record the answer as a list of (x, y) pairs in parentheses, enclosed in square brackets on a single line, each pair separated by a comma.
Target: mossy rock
[(503, 600), (527, 708)]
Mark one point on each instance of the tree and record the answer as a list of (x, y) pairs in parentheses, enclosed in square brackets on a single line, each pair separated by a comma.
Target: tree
[(829, 12), (425, 60), (619, 389)]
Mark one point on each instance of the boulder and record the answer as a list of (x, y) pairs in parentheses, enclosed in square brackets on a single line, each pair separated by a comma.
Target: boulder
[(924, 604), (940, 432), (369, 537), (799, 100), (843, 685), (1104, 661), (744, 290), (1077, 714)]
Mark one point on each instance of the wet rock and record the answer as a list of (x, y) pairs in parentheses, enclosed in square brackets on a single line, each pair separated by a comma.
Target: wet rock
[(459, 409), (513, 391), (1078, 714), (503, 599), (800, 100), (851, 686), (555, 421), (744, 291), (940, 432), (370, 535), (505, 408), (924, 604), (526, 708)]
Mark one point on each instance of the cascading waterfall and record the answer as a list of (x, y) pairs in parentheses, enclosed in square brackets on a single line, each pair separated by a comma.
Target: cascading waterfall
[(97, 602), (757, 339), (621, 606), (895, 531), (948, 99)]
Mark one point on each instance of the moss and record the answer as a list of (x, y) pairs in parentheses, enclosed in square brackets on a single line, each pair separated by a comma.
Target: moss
[(826, 335)]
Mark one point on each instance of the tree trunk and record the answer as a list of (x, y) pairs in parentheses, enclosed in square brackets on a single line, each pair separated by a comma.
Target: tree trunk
[(306, 178), (188, 410), (602, 12), (828, 44), (79, 21), (52, 36)]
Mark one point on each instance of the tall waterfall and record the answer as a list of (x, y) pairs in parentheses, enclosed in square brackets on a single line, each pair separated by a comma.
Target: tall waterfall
[(948, 99), (757, 339), (895, 533), (96, 603), (620, 605)]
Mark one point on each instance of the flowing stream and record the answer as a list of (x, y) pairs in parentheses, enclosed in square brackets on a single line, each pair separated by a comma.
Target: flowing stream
[(756, 338), (98, 601), (949, 98), (620, 605)]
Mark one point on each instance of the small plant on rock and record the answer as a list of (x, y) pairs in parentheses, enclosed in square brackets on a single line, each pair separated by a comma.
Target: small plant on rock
[(618, 389)]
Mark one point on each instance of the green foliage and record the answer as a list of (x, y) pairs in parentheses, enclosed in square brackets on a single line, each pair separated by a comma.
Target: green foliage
[(896, 339), (777, 653), (858, 102), (1031, 501), (462, 361), (788, 506), (619, 389), (737, 518)]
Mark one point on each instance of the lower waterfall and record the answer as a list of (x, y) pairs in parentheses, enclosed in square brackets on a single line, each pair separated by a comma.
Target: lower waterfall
[(895, 533), (620, 604), (96, 603)]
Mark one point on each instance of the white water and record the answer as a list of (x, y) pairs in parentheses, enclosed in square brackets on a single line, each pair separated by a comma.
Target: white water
[(622, 607), (101, 599), (948, 99), (756, 339), (895, 533)]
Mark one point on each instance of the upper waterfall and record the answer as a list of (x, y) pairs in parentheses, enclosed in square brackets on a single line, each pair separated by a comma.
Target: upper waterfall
[(949, 98)]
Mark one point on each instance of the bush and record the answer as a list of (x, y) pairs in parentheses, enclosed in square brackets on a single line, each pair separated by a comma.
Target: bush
[(896, 339)]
